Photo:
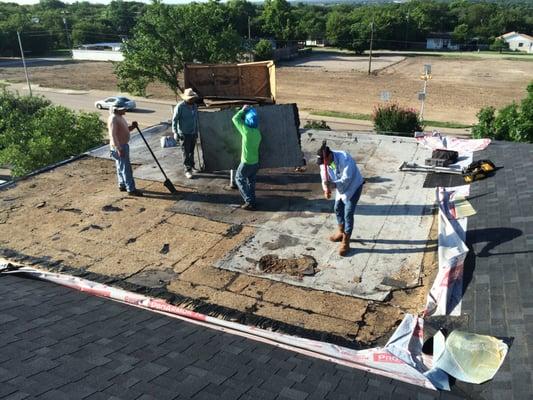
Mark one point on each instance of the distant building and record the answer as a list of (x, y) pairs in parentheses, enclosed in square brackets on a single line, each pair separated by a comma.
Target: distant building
[(441, 41), (316, 42), (108, 51), (518, 41)]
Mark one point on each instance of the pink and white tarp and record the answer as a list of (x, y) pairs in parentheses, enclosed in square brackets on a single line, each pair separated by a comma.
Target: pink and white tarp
[(462, 146), (446, 293)]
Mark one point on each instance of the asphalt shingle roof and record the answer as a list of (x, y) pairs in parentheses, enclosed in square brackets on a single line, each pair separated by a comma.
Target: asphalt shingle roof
[(499, 269), (57, 343)]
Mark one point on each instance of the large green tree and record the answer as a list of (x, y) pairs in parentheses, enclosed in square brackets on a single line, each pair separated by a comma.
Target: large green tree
[(35, 133), (240, 12), (276, 20), (121, 16), (166, 37), (85, 32), (310, 22)]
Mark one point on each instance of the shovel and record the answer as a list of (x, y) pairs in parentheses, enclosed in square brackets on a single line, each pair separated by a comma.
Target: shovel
[(167, 182)]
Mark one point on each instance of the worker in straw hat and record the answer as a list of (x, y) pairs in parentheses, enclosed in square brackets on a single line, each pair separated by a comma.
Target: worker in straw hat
[(119, 137), (339, 171), (185, 128)]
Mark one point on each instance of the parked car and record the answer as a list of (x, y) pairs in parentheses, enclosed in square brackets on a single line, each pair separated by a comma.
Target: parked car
[(118, 101)]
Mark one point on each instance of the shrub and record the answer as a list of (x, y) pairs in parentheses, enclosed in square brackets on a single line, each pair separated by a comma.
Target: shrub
[(513, 122), (485, 125), (318, 125), (37, 134), (391, 119), (499, 45), (263, 50)]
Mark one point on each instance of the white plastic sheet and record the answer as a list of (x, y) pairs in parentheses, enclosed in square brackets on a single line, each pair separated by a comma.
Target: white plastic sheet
[(472, 358)]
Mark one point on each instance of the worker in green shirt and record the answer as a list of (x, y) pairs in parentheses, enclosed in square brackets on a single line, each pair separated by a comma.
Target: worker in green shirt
[(247, 123)]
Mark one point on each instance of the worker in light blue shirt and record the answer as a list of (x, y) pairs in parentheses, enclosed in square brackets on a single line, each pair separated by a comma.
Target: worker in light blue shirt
[(185, 128), (339, 171)]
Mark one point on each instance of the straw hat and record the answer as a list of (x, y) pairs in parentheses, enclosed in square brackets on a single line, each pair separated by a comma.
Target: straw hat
[(189, 94), (114, 109)]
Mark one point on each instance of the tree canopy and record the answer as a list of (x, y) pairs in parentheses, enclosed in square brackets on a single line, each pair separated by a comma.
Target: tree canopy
[(52, 24), (167, 37), (35, 133)]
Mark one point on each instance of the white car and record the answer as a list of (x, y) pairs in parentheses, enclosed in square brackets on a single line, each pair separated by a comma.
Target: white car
[(118, 101)]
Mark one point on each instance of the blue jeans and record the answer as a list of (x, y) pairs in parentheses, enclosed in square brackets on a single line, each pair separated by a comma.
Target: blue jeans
[(124, 171), (245, 179), (345, 211)]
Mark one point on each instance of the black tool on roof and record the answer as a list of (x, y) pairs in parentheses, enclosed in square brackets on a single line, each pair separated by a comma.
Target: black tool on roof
[(167, 182)]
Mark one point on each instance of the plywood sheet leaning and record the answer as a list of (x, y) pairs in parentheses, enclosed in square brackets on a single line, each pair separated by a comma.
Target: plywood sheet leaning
[(221, 143)]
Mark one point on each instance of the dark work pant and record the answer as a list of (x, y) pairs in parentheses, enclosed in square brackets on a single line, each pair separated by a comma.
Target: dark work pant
[(187, 148)]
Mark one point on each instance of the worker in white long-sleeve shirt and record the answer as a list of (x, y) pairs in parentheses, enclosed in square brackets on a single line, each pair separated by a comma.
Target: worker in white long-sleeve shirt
[(339, 171)]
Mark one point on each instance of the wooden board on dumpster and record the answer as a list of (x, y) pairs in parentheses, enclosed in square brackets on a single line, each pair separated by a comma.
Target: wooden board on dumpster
[(233, 81)]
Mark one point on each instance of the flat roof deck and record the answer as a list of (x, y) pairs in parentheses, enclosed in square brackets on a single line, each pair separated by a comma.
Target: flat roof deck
[(199, 246)]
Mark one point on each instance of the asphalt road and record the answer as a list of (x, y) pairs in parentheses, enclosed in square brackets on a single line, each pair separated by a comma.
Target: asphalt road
[(151, 112), (148, 113), (43, 61)]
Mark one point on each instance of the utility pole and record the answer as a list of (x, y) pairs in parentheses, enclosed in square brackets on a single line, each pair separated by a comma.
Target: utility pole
[(249, 29), (24, 62), (422, 95), (66, 32), (406, 30), (371, 43)]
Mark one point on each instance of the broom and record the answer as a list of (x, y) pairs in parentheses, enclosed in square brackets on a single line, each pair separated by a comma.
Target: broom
[(167, 182), (328, 193)]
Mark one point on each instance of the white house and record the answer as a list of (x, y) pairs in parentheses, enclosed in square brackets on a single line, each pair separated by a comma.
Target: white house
[(441, 41), (518, 41), (99, 52)]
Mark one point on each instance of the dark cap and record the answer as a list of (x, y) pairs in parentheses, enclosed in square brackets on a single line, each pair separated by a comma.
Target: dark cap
[(324, 150)]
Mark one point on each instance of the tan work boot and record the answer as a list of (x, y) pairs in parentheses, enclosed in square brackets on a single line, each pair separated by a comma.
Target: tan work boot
[(345, 245), (337, 236)]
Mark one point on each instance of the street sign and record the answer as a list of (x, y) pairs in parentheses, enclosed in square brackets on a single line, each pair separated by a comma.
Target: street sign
[(421, 96), (427, 69), (384, 95)]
